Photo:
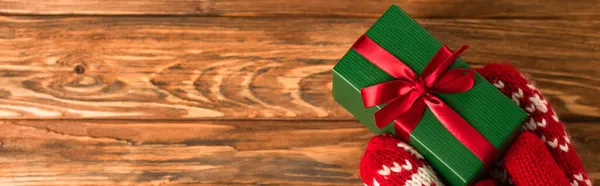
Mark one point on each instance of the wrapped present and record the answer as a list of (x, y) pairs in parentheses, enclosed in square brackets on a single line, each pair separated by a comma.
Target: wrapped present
[(399, 79)]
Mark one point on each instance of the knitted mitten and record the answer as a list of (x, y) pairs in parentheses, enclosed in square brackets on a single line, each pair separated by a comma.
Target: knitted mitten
[(389, 161), (541, 155)]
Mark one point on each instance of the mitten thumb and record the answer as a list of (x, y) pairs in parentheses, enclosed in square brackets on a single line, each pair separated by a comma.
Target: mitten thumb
[(528, 162)]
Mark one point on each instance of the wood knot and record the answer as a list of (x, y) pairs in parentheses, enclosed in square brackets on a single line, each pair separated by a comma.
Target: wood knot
[(85, 76), (79, 69)]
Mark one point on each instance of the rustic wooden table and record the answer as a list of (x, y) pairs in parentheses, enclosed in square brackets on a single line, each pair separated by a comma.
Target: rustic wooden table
[(238, 92)]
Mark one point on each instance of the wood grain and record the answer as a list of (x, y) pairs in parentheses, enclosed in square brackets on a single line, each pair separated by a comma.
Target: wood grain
[(263, 68), (175, 153), (557, 9), (129, 152)]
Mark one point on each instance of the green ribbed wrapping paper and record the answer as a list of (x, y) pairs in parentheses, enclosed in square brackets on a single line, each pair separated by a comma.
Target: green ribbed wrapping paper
[(495, 116)]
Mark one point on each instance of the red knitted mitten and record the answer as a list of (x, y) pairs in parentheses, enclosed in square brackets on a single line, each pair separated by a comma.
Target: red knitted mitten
[(542, 155), (389, 161)]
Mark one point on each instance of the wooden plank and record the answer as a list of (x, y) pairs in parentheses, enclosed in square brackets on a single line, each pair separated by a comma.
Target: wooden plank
[(348, 8), (147, 153), (265, 68), (224, 152)]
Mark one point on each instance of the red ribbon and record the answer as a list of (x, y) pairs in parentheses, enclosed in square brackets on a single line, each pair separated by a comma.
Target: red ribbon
[(409, 95)]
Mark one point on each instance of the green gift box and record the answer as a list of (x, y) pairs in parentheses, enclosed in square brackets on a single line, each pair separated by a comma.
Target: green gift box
[(483, 107)]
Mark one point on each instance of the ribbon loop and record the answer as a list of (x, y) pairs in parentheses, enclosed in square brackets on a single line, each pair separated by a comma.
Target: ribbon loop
[(455, 81), (384, 92), (440, 63), (396, 108)]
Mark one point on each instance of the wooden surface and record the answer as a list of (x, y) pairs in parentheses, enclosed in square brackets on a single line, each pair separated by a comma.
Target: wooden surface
[(238, 92), (553, 9)]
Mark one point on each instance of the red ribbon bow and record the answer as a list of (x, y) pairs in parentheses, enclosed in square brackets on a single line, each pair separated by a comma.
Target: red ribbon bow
[(409, 95)]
